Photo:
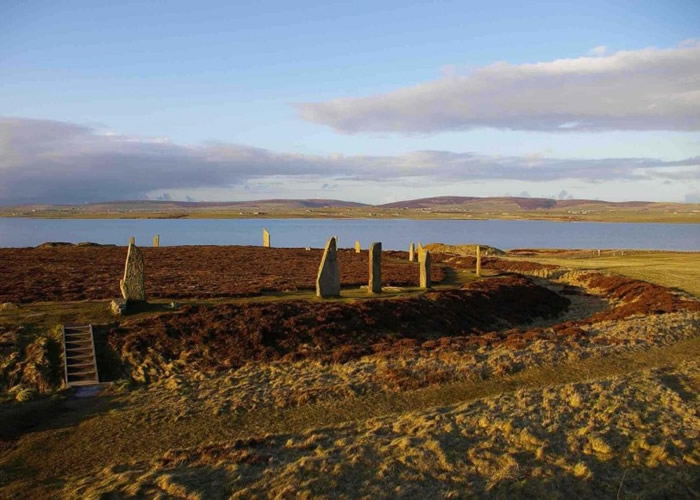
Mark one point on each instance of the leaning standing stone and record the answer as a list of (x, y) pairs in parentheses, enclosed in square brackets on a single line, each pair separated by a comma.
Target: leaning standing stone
[(266, 238), (375, 268), (156, 241), (328, 279), (424, 258), (132, 286), (412, 252), (358, 248)]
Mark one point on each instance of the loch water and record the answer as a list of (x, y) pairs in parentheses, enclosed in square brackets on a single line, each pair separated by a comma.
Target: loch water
[(394, 234)]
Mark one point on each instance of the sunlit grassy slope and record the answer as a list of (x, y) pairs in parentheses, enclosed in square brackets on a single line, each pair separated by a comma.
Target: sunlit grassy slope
[(673, 269), (78, 437)]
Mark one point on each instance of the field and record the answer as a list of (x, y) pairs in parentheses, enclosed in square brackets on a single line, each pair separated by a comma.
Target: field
[(543, 377), (673, 269), (445, 207)]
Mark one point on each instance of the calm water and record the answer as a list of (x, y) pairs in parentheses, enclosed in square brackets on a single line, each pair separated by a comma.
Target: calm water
[(394, 234)]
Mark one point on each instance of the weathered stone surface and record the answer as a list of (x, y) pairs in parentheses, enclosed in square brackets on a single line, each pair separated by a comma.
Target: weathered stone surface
[(420, 252), (424, 258), (358, 248), (118, 307), (375, 268), (156, 240), (412, 252), (133, 284), (9, 306), (266, 238), (132, 241), (328, 279), (478, 260)]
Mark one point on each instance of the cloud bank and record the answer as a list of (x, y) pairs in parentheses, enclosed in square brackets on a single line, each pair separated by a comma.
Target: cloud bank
[(45, 161), (649, 89)]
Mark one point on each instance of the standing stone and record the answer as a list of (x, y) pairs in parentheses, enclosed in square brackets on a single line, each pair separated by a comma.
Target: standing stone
[(266, 238), (478, 260), (424, 259), (156, 241), (328, 279), (412, 252), (132, 241), (132, 286), (420, 251), (357, 247), (375, 268)]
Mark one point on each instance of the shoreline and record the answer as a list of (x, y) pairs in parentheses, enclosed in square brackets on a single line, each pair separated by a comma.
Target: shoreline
[(623, 218)]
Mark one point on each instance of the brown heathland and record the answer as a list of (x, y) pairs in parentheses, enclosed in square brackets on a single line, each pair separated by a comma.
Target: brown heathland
[(92, 272)]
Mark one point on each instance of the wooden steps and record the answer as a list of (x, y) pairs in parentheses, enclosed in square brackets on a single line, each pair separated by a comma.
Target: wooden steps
[(79, 355)]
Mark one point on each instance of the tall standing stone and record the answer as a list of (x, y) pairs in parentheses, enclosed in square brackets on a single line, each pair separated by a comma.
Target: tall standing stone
[(412, 252), (132, 241), (133, 284), (420, 251), (328, 279), (357, 247), (266, 238), (424, 259), (478, 260), (156, 241), (375, 268)]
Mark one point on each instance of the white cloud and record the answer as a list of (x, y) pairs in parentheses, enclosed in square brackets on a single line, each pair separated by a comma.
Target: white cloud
[(648, 89), (55, 162), (600, 50)]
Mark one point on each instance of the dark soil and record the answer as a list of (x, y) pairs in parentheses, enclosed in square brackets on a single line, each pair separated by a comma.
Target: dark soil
[(229, 335), (68, 273)]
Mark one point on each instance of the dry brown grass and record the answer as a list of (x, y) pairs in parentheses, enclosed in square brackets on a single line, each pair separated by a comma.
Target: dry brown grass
[(570, 440)]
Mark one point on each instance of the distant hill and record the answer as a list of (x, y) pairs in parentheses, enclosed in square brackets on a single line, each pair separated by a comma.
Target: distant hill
[(279, 203), (446, 207), (509, 203)]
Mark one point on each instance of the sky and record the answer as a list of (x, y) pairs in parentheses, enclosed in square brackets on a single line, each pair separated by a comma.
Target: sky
[(363, 101)]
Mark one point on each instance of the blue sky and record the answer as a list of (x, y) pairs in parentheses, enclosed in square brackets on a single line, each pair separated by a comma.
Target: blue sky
[(304, 83)]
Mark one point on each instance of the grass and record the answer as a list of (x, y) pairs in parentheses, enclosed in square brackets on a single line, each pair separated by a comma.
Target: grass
[(672, 269), (568, 440), (83, 436)]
